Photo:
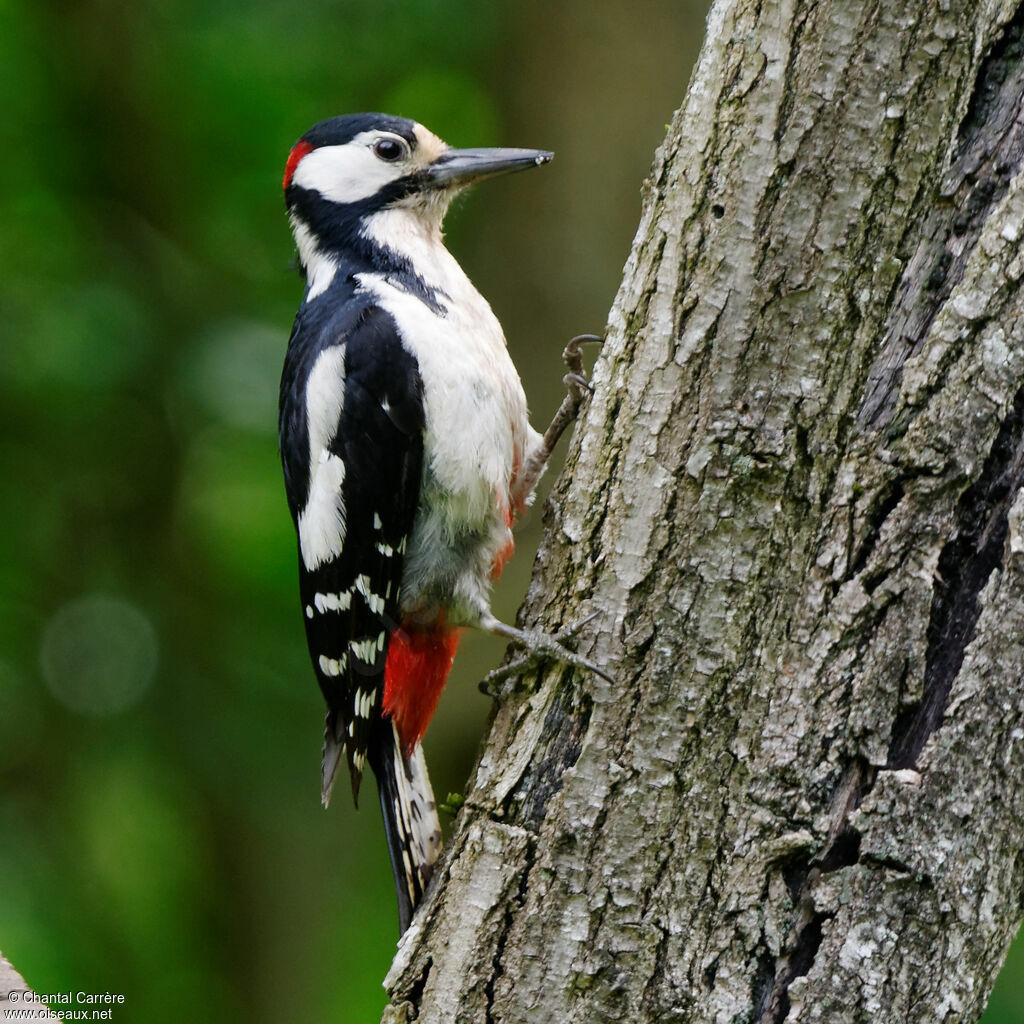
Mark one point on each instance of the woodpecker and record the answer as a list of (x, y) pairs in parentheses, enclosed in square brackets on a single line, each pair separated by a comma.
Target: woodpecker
[(407, 452)]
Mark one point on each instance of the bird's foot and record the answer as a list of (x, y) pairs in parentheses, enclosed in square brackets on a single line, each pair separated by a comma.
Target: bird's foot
[(572, 355), (577, 387), (539, 647), (577, 390)]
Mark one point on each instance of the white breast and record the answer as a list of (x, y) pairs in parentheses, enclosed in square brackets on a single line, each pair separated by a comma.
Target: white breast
[(477, 428), (476, 416)]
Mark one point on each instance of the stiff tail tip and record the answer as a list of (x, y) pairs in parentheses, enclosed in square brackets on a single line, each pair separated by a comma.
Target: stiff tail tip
[(411, 823), (334, 753)]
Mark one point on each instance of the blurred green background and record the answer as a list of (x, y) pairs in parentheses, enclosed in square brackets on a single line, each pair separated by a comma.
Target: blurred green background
[(160, 727)]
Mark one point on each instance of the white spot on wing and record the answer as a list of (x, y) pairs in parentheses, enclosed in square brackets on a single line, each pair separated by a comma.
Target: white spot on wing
[(332, 602), (362, 703), (333, 666), (364, 650), (373, 601)]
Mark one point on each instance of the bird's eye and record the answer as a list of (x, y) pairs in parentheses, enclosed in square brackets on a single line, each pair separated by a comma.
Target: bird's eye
[(388, 149)]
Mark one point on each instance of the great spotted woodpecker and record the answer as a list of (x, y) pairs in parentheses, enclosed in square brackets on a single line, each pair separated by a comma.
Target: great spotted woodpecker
[(407, 452)]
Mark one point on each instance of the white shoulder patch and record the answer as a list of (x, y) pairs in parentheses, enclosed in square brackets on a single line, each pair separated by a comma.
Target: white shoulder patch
[(322, 519)]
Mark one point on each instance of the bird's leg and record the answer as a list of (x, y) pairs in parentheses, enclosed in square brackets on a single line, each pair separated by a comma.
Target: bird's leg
[(538, 646), (576, 388), (541, 645)]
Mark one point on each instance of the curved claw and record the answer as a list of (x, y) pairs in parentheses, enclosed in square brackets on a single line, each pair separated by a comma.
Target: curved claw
[(571, 354), (574, 381)]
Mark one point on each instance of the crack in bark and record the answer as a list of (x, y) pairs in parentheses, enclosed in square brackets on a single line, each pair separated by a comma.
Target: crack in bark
[(887, 501), (511, 908), (561, 738), (964, 568), (415, 993), (988, 154), (841, 851)]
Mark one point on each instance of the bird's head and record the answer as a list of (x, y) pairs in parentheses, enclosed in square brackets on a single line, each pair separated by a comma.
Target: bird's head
[(347, 170)]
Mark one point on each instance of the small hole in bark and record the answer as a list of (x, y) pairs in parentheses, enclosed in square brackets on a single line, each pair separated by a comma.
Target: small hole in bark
[(718, 211)]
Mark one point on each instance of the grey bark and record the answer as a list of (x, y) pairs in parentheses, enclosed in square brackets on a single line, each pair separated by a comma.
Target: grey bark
[(17, 997), (795, 501)]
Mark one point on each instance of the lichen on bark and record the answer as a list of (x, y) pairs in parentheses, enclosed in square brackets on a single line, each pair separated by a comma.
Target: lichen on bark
[(795, 504)]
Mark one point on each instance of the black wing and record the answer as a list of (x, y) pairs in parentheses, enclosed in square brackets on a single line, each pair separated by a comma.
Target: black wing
[(350, 600)]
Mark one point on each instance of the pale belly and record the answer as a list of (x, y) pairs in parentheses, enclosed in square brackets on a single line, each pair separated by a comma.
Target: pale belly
[(476, 435)]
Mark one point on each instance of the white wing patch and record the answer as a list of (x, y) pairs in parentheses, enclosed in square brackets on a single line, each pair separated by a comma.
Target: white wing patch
[(322, 519)]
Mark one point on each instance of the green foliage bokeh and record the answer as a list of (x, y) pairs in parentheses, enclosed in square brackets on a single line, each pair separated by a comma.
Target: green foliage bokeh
[(159, 724)]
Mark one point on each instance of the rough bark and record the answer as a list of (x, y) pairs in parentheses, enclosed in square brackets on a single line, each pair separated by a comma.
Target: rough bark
[(795, 502), (23, 1001)]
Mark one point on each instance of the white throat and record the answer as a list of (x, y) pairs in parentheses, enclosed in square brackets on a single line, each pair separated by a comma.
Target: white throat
[(414, 233)]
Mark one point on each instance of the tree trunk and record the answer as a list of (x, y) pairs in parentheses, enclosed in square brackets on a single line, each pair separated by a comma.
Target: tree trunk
[(795, 504), (17, 999)]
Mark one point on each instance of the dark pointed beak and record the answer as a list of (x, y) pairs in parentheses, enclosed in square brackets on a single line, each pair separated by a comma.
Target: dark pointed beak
[(458, 167)]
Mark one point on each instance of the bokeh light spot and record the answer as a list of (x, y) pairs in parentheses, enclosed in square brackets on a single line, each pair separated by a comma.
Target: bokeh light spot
[(99, 654), (90, 336)]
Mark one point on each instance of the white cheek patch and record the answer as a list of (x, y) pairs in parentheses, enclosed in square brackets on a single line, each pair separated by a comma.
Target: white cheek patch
[(349, 173)]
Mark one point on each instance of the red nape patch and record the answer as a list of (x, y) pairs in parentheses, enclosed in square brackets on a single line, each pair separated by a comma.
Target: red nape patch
[(414, 676), (299, 150)]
